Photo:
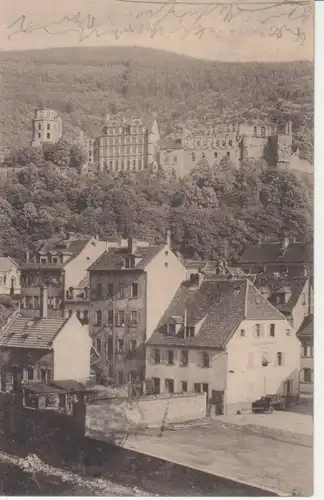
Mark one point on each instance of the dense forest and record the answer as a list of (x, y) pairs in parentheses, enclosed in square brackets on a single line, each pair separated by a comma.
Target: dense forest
[(84, 84), (213, 212)]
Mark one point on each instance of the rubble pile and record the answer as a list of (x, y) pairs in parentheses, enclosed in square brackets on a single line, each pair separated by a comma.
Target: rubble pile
[(98, 487)]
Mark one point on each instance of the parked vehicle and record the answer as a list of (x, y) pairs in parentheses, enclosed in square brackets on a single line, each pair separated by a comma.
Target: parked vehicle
[(269, 403)]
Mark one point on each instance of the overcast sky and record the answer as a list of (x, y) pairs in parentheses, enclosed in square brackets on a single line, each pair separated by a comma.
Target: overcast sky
[(270, 33)]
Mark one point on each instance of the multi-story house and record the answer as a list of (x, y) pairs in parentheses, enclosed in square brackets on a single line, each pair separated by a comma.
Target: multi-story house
[(9, 276), (128, 143), (61, 265), (294, 298), (288, 257), (130, 288), (43, 349), (47, 127), (306, 337), (222, 337)]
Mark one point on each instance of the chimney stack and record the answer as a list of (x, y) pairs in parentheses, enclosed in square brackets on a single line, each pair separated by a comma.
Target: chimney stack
[(132, 245), (285, 243), (44, 301), (27, 256), (168, 238)]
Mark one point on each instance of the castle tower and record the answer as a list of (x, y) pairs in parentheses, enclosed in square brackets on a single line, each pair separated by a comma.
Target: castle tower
[(47, 127)]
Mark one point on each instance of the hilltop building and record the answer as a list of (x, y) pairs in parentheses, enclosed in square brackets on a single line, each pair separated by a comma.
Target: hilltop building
[(222, 337), (128, 143), (130, 290), (229, 142), (47, 127)]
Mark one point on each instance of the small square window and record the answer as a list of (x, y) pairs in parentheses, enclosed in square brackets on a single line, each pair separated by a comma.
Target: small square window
[(242, 333), (166, 264)]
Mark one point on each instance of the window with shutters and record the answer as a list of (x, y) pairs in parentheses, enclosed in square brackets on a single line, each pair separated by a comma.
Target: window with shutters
[(258, 330), (184, 386), (307, 375), (120, 318), (280, 358), (134, 290), (133, 318), (110, 316), (98, 317), (205, 360), (121, 290), (157, 356), (170, 357), (110, 290), (184, 358), (120, 345), (272, 330)]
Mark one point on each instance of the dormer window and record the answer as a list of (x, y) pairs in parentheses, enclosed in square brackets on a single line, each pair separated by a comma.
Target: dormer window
[(190, 331), (171, 329)]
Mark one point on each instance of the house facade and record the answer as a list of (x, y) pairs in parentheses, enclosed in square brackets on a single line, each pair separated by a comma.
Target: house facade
[(225, 339), (9, 276), (130, 289), (306, 337), (61, 265), (43, 349)]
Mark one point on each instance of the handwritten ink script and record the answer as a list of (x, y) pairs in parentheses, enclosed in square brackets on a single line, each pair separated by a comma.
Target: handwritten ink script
[(276, 19)]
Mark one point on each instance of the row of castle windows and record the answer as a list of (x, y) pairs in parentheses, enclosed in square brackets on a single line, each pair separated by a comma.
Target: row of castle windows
[(121, 140), (123, 165), (122, 150), (203, 156), (203, 142), (128, 129)]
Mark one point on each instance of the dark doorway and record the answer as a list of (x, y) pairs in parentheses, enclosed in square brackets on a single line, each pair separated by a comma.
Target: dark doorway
[(217, 401)]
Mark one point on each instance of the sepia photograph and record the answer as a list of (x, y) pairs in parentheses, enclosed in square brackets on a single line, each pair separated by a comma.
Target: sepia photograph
[(157, 248)]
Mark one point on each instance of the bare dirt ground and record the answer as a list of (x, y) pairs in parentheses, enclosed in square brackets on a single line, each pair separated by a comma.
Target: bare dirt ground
[(267, 457)]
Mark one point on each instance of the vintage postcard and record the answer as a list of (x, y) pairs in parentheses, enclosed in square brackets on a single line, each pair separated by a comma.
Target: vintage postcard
[(156, 248)]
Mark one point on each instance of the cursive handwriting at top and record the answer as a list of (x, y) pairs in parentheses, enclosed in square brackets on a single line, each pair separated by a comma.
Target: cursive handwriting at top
[(181, 18)]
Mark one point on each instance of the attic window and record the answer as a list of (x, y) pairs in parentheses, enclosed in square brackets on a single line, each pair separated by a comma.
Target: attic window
[(190, 331), (236, 291), (171, 329), (288, 332)]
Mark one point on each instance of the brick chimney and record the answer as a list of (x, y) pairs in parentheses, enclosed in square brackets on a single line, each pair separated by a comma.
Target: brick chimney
[(132, 245), (44, 301)]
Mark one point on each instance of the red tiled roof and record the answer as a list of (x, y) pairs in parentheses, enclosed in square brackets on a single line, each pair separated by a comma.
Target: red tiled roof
[(31, 334), (115, 257), (307, 327), (222, 305)]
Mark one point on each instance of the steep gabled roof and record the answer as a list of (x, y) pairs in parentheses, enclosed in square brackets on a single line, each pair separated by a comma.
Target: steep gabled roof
[(7, 263), (307, 327), (294, 286), (32, 333), (115, 257), (263, 254), (219, 306), (295, 253), (298, 253)]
